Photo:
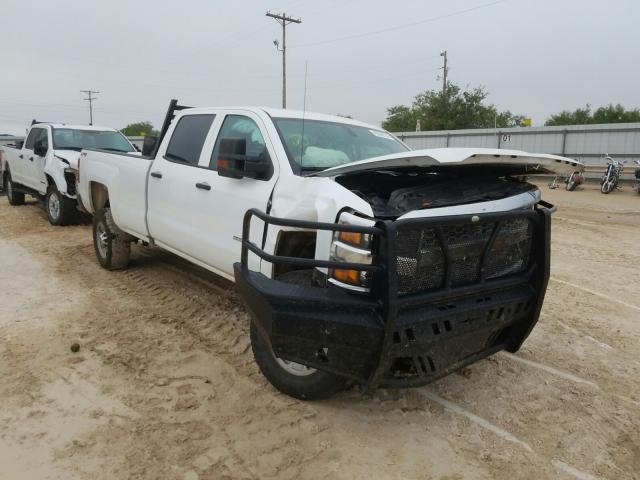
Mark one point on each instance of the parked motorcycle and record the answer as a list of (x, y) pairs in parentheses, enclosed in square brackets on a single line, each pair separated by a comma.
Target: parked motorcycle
[(611, 175), (573, 180), (570, 182), (637, 175)]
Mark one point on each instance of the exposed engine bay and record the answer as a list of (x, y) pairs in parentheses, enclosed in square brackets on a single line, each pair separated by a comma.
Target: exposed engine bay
[(394, 193)]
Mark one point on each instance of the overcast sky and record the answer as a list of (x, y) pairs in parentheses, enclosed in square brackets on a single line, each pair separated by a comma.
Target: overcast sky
[(535, 57)]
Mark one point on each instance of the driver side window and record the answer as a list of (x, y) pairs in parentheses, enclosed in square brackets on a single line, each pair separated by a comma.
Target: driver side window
[(240, 127), (44, 138), (35, 135)]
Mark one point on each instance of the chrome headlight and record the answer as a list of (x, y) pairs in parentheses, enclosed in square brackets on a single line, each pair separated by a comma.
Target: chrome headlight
[(351, 247)]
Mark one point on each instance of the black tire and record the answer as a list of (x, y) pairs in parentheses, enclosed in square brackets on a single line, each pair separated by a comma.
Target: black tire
[(571, 185), (15, 198), (61, 210), (112, 245), (317, 385)]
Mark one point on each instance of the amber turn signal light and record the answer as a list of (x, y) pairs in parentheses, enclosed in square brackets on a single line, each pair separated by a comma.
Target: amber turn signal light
[(347, 276), (353, 238)]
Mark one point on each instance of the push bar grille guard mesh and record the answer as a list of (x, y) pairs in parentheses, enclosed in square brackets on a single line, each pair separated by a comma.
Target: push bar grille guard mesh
[(447, 291)]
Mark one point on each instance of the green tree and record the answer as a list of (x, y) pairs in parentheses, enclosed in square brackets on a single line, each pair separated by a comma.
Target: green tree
[(454, 109), (583, 116), (400, 119), (139, 129)]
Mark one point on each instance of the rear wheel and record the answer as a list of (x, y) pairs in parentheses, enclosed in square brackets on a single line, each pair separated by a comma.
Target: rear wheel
[(14, 197), (293, 378), (60, 209), (112, 245)]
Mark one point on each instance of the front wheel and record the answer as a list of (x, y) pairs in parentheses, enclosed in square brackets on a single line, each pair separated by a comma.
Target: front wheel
[(606, 184), (571, 184), (112, 245), (291, 378), (15, 198), (60, 209)]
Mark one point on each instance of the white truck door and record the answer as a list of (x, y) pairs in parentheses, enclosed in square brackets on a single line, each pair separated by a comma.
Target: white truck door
[(18, 166), (30, 160), (37, 165), (221, 210), (172, 192)]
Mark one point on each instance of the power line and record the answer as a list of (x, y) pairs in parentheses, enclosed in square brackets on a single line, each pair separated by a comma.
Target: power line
[(90, 98), (399, 27), (283, 20)]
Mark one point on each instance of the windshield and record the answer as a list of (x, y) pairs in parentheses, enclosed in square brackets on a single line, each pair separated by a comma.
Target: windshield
[(74, 139), (328, 144)]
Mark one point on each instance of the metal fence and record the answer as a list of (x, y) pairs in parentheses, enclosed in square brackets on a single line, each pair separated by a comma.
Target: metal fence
[(587, 143)]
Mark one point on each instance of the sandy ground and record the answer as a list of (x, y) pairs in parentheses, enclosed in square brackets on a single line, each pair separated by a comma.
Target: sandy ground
[(164, 385)]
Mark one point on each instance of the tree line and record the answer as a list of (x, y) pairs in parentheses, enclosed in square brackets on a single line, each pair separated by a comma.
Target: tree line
[(456, 109)]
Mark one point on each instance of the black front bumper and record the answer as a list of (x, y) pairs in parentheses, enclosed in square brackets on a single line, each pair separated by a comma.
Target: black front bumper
[(389, 339)]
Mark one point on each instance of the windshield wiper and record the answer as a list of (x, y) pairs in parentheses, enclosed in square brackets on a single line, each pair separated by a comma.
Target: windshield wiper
[(312, 169), (116, 150), (76, 149)]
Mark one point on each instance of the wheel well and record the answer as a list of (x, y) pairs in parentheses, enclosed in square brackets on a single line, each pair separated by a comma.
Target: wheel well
[(50, 181), (294, 244), (99, 196)]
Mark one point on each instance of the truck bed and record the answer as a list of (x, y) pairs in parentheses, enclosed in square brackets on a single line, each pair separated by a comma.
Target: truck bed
[(126, 175)]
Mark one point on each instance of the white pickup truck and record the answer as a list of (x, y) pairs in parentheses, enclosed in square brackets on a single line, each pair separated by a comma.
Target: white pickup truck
[(359, 260), (44, 165)]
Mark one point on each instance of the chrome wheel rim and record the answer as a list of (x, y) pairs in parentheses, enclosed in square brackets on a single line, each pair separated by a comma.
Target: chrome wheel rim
[(294, 368), (102, 239), (54, 206)]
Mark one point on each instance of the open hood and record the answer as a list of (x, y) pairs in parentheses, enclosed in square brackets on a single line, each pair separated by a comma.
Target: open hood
[(507, 162)]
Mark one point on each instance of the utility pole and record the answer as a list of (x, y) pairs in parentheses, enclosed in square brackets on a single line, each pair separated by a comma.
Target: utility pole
[(90, 98), (283, 20), (445, 71)]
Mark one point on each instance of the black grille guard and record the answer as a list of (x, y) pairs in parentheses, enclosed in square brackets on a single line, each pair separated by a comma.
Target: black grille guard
[(363, 330)]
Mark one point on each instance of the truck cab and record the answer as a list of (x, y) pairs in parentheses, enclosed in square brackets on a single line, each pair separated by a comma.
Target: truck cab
[(44, 165)]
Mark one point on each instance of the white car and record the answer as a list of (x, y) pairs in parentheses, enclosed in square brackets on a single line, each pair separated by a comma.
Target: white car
[(44, 166), (359, 259)]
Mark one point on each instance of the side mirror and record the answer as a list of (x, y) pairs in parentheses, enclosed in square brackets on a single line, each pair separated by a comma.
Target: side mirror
[(149, 145), (233, 161), (40, 149)]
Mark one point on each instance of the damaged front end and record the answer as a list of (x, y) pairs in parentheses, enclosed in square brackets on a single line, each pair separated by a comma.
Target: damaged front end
[(443, 292)]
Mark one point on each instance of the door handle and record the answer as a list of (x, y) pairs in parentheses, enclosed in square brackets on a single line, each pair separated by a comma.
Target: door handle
[(20, 156), (203, 186), (31, 159), (156, 174)]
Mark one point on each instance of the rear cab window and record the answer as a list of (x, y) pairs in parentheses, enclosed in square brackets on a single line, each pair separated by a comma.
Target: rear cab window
[(188, 139)]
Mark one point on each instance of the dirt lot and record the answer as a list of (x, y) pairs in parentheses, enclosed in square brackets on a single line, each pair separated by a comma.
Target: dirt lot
[(164, 384)]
